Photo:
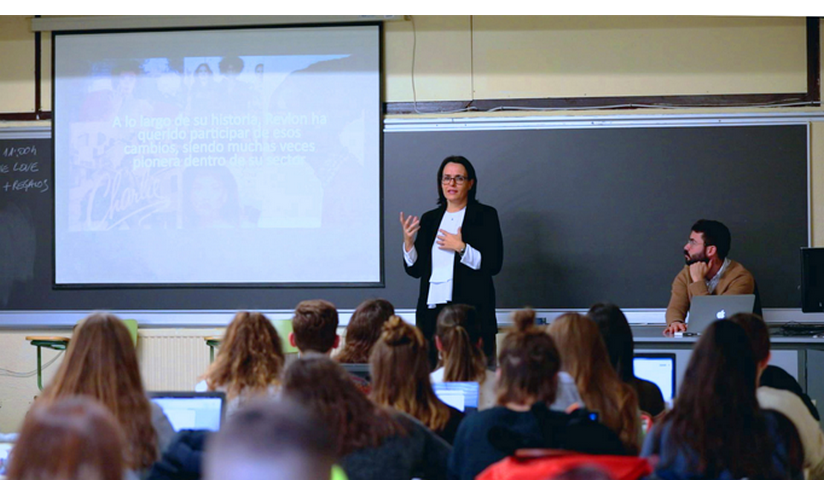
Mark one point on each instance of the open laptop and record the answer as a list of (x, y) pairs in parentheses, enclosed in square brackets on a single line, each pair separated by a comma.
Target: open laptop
[(706, 309), (463, 396), (192, 410), (658, 368)]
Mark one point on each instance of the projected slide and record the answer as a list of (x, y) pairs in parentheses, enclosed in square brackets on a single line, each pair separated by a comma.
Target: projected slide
[(218, 156)]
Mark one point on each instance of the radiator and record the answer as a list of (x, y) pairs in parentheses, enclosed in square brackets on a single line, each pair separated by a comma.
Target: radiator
[(173, 360)]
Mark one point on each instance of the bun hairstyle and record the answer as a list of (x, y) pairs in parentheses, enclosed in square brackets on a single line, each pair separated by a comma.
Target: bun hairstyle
[(528, 362), (458, 330), (400, 374)]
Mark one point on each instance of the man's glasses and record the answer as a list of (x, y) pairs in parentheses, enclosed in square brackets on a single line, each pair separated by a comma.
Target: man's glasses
[(459, 179)]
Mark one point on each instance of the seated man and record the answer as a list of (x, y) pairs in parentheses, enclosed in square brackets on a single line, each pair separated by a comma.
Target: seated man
[(315, 327), (708, 272)]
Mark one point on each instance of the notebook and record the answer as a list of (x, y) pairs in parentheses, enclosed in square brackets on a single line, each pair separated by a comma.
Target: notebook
[(191, 410), (706, 309)]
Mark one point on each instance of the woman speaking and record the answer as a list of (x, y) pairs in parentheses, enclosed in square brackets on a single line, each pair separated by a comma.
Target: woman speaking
[(456, 252)]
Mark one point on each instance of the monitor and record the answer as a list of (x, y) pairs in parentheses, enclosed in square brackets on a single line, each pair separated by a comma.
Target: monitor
[(659, 368), (191, 410), (812, 280), (463, 396)]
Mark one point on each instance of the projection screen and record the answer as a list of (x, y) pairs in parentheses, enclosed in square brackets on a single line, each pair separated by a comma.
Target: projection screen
[(231, 156)]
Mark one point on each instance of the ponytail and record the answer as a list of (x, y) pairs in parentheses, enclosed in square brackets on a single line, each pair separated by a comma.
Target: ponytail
[(462, 358)]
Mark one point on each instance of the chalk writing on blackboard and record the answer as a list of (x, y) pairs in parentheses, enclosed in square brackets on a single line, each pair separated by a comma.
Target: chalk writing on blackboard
[(20, 171)]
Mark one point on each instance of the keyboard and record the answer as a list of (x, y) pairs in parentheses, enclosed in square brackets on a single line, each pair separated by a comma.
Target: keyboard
[(801, 329)]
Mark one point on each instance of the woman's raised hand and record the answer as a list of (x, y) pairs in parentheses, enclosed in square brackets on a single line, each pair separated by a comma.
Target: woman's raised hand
[(411, 225)]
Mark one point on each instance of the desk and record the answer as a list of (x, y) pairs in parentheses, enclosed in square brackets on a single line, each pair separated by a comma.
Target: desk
[(55, 343), (801, 357)]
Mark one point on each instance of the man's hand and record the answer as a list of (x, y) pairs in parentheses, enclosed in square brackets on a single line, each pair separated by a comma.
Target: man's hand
[(676, 326), (698, 271), (453, 242), (411, 225)]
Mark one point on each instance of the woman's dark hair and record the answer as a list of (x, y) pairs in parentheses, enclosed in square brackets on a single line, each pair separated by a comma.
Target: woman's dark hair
[(230, 210), (364, 329), (716, 415), (458, 329), (470, 175), (617, 335), (73, 437), (205, 66), (325, 388), (529, 363)]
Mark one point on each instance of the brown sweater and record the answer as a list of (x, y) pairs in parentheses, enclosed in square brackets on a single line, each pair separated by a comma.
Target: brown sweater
[(735, 280)]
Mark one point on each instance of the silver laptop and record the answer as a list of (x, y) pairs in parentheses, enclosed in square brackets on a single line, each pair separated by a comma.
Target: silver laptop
[(706, 309)]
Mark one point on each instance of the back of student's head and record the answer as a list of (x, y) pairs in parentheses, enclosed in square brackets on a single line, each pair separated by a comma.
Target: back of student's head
[(270, 440), (400, 374), (69, 438), (617, 336), (528, 363), (325, 388), (757, 332), (315, 326), (585, 358), (364, 329), (101, 362), (250, 358), (716, 413), (458, 330)]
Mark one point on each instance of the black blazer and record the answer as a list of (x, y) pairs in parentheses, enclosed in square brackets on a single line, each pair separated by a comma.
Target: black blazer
[(481, 230)]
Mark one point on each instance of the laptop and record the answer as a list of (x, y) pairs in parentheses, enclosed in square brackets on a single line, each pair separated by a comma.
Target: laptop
[(192, 410), (463, 396), (707, 309), (658, 368)]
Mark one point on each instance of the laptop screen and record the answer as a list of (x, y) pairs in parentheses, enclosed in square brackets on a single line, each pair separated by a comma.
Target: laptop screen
[(191, 410), (659, 369), (460, 395)]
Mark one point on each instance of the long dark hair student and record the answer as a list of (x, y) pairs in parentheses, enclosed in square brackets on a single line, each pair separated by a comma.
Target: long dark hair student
[(458, 332), (716, 428), (364, 329), (71, 438)]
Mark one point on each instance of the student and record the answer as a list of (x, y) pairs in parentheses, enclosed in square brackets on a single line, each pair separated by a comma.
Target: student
[(716, 429), (269, 440), (528, 369), (71, 438), (400, 378), (363, 330), (617, 335), (786, 402), (249, 362), (101, 363), (459, 343), (370, 441), (315, 327), (585, 357)]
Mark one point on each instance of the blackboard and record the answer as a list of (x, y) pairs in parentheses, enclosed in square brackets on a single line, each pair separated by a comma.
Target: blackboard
[(588, 214)]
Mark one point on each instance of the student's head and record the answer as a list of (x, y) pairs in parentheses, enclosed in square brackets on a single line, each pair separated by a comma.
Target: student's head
[(270, 440), (617, 336), (71, 438), (315, 327), (400, 374), (364, 329), (101, 362), (716, 413), (459, 166), (758, 334), (708, 239), (250, 358), (459, 342), (585, 358), (326, 390), (528, 363)]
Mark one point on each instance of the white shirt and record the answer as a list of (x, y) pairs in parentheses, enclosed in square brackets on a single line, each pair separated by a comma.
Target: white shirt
[(441, 280)]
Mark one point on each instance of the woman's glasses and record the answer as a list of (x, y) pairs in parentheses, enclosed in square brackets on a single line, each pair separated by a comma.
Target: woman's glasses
[(459, 179)]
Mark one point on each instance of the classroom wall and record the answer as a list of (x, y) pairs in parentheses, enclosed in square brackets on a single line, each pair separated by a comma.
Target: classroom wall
[(495, 57)]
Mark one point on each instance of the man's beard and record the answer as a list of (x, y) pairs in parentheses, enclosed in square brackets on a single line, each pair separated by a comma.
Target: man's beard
[(690, 260)]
